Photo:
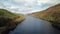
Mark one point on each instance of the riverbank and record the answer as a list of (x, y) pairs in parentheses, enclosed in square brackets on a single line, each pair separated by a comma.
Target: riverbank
[(11, 25), (9, 20), (51, 14)]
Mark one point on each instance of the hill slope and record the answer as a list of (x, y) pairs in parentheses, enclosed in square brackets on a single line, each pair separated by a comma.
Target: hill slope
[(51, 14), (8, 20)]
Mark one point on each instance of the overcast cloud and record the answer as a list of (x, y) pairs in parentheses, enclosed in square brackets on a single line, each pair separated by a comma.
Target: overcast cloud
[(27, 6)]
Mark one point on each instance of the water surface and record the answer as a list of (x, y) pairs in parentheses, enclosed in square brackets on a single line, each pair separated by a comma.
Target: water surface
[(34, 26)]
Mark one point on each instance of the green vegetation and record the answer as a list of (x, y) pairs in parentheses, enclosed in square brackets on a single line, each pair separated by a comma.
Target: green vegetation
[(6, 16), (52, 15), (8, 20)]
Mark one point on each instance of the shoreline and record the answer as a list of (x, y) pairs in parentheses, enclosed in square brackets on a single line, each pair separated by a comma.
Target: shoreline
[(12, 25)]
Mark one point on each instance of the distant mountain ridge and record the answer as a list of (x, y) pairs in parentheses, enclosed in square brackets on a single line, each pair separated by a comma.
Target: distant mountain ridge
[(51, 14)]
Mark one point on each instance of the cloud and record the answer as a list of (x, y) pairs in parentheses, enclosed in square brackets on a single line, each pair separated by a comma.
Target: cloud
[(39, 2), (27, 6), (24, 1)]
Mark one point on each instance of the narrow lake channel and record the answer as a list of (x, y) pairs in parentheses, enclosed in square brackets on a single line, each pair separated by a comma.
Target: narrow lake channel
[(33, 25)]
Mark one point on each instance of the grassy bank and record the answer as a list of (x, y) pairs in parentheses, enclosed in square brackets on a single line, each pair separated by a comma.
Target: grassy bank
[(51, 14), (14, 23), (9, 20)]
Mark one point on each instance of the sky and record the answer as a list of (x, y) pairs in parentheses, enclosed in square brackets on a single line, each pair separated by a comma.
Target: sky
[(27, 6)]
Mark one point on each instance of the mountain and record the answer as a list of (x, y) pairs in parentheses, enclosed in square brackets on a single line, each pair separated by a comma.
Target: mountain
[(52, 14), (9, 20)]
